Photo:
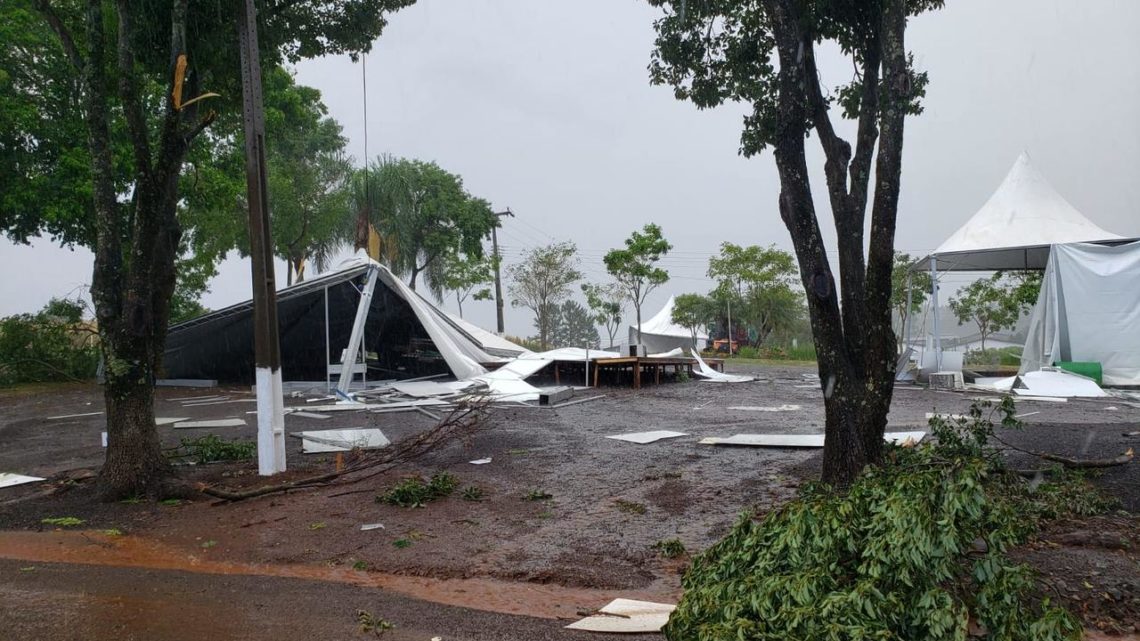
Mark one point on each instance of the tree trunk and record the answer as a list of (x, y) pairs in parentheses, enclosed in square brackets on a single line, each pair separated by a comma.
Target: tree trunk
[(855, 342), (131, 287), (135, 465)]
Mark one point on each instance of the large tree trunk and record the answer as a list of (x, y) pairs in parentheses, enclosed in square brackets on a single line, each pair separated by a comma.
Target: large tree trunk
[(131, 286), (854, 341)]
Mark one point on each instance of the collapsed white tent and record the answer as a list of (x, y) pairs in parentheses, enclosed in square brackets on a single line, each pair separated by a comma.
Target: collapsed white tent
[(1088, 310), (661, 334), (1014, 229)]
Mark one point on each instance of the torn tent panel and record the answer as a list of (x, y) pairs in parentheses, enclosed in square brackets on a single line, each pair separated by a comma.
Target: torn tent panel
[(627, 616), (710, 374), (8, 479), (642, 438)]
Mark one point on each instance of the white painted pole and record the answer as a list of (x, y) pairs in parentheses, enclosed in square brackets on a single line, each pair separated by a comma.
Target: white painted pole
[(357, 336), (328, 348), (934, 307)]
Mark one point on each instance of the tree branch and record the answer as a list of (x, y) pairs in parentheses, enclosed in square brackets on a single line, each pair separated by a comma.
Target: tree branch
[(128, 92), (868, 133), (61, 31)]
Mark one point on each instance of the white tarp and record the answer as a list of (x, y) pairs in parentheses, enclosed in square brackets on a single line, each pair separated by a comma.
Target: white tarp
[(713, 376), (661, 334), (1088, 310), (9, 479), (1016, 226)]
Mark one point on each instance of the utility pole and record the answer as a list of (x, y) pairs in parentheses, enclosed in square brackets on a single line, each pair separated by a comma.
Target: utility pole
[(270, 406), (498, 280)]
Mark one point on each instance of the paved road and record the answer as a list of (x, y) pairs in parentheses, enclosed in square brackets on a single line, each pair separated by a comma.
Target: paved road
[(49, 602)]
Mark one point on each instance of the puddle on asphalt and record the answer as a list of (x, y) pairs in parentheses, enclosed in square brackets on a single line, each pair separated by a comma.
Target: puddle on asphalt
[(97, 548)]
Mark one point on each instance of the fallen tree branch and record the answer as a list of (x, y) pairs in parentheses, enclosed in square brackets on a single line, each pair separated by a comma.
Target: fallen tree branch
[(463, 421), (1071, 463)]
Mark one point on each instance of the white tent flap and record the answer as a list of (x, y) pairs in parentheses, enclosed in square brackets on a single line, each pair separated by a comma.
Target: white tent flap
[(1088, 310)]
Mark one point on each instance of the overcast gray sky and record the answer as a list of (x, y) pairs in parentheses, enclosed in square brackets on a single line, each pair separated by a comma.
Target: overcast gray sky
[(545, 107)]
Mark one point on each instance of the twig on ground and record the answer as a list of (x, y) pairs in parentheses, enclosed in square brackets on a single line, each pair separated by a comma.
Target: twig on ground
[(463, 421)]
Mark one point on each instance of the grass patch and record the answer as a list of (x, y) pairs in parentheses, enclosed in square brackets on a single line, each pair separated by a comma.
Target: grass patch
[(537, 495), (360, 565), (630, 507), (63, 521), (320, 525), (414, 492), (472, 493), (402, 543), (670, 548), (372, 624), (212, 448)]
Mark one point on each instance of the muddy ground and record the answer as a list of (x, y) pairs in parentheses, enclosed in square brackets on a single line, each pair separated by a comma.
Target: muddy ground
[(592, 540)]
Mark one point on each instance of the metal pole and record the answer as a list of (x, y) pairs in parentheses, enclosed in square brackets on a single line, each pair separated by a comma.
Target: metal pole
[(498, 280), (356, 338), (906, 323), (270, 406), (730, 325), (934, 307)]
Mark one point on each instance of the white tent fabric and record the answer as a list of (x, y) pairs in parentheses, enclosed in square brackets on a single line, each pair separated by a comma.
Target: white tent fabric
[(661, 334), (1089, 310), (1016, 227)]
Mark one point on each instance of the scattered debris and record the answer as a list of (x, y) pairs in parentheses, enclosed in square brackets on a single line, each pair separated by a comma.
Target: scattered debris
[(946, 417), (626, 616), (758, 408), (8, 479), (310, 415), (167, 420), (223, 422), (555, 395), (799, 440), (643, 438), (344, 440), (57, 418), (1026, 414), (480, 461)]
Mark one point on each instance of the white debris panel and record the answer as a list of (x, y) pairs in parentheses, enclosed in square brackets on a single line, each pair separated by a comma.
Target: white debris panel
[(627, 616), (798, 440), (346, 440), (642, 438)]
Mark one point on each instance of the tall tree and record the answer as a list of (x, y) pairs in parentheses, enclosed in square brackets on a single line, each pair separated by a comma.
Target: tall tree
[(426, 218), (763, 53), (694, 312), (997, 302), (635, 268), (309, 175), (904, 281), (606, 305), (572, 326), (542, 281), (146, 80), (469, 278), (757, 282)]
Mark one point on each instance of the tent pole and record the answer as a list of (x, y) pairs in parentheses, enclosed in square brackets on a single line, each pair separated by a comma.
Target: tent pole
[(356, 338), (934, 305), (906, 323)]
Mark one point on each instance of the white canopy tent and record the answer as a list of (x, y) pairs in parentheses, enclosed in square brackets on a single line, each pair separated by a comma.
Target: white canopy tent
[(661, 334), (1014, 229)]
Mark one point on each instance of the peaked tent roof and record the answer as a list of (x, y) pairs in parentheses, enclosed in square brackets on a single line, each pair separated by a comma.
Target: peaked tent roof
[(662, 324), (1016, 227)]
